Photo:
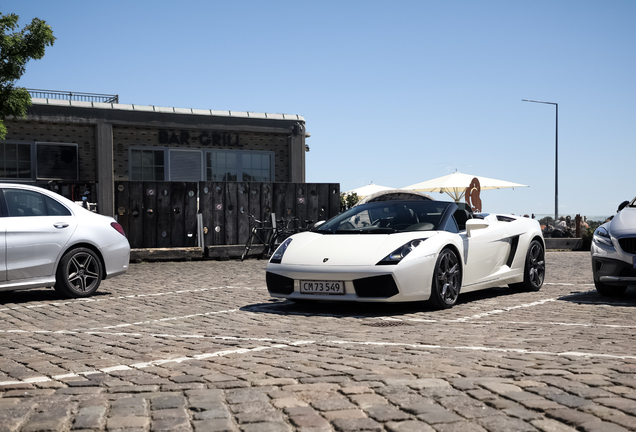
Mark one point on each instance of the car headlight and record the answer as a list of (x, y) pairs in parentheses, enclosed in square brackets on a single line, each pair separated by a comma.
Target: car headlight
[(602, 236), (397, 255), (280, 251)]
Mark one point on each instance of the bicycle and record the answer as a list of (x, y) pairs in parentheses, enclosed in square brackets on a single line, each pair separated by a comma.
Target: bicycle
[(258, 232), (282, 230)]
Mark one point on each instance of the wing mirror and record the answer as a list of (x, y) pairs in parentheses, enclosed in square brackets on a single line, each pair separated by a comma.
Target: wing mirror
[(475, 224), (317, 224), (622, 205)]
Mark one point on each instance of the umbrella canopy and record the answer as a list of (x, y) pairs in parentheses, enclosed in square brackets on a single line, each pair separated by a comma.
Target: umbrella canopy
[(368, 190), (455, 184)]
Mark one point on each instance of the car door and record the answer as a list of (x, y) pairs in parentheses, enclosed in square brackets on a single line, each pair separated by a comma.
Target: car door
[(3, 250), (37, 228), (485, 251)]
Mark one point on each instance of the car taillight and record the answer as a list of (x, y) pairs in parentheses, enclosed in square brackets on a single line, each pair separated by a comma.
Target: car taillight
[(118, 227)]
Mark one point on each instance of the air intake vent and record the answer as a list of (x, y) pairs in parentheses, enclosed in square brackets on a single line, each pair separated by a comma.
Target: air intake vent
[(514, 243), (376, 286), (628, 244), (278, 284), (505, 219)]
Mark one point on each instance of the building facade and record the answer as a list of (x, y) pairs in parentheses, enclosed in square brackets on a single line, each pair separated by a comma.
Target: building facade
[(79, 146)]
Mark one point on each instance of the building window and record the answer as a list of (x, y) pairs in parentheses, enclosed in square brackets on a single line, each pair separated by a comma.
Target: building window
[(165, 164), (56, 161), (256, 167), (15, 161), (147, 165), (185, 165), (221, 166), (39, 160)]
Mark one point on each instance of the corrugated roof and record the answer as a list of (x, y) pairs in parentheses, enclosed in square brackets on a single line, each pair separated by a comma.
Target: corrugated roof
[(172, 110)]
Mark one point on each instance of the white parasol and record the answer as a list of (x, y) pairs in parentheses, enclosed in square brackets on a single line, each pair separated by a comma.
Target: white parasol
[(455, 184), (367, 190)]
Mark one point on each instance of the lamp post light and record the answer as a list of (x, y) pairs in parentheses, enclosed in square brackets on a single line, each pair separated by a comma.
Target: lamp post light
[(556, 158)]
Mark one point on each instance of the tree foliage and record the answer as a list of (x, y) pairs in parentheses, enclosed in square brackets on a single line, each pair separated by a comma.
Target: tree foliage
[(16, 49), (348, 200)]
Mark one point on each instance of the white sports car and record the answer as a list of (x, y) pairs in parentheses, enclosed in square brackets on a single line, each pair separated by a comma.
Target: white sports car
[(47, 240), (614, 252), (408, 250)]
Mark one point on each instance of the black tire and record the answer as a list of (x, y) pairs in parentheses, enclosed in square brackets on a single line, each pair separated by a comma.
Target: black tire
[(79, 273), (447, 279), (534, 269), (248, 246), (609, 290)]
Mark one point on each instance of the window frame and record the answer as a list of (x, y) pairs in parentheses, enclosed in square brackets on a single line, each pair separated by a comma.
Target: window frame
[(204, 162), (33, 148), (45, 143), (31, 145)]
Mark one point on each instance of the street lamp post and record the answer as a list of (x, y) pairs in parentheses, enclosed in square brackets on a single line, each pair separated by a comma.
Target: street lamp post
[(556, 158)]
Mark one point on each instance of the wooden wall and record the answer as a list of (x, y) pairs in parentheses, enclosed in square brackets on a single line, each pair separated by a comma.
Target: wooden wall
[(164, 214)]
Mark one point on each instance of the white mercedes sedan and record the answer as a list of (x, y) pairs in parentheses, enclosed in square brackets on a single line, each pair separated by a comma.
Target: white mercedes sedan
[(614, 252), (47, 240)]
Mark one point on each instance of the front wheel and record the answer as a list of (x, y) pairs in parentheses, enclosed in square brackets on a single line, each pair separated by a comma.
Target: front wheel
[(534, 269), (79, 273), (447, 279)]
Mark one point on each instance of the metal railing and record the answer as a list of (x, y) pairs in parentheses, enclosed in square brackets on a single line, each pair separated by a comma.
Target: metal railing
[(73, 96)]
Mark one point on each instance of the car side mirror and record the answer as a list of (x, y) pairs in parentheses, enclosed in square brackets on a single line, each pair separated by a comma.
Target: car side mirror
[(475, 224), (622, 205), (317, 224)]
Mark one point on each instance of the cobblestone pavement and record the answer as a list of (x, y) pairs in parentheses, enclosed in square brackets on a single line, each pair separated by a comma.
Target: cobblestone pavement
[(201, 346)]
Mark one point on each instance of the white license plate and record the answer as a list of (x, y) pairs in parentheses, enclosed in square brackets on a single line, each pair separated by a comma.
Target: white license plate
[(322, 287)]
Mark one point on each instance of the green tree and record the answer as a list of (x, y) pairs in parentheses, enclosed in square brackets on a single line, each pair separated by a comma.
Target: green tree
[(348, 200), (16, 49)]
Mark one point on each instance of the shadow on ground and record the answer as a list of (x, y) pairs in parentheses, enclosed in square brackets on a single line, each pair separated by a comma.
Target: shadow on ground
[(38, 295), (364, 309), (593, 297)]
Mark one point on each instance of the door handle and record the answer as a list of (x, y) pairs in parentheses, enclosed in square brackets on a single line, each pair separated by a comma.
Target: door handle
[(60, 225)]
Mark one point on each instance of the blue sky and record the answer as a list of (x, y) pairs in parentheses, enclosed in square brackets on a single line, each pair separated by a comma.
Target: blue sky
[(392, 92)]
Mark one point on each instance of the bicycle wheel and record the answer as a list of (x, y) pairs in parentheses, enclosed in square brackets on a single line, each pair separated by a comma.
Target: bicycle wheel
[(248, 245)]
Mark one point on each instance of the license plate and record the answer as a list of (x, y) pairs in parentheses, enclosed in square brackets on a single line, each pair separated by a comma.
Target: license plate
[(322, 287)]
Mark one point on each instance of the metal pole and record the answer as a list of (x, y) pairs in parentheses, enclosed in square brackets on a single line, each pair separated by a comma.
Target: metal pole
[(556, 159), (556, 167)]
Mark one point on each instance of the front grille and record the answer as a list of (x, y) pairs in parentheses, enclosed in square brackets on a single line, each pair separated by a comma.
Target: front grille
[(376, 286), (628, 244), (278, 284)]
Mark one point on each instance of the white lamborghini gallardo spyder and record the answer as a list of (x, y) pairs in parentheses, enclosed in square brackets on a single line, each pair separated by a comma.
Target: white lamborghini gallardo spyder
[(408, 250)]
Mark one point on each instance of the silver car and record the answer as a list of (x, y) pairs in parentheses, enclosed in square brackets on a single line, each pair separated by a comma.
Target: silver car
[(47, 240), (614, 252)]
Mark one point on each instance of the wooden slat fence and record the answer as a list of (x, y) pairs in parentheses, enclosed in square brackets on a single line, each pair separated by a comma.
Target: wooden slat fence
[(164, 214)]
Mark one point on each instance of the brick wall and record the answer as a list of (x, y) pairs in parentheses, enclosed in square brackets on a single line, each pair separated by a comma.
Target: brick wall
[(82, 135)]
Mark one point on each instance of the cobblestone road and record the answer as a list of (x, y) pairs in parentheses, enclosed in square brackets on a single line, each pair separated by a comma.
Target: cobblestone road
[(201, 346)]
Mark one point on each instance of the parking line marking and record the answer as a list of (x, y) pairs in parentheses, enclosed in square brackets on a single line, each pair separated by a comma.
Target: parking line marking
[(40, 379), (481, 348), (163, 319), (92, 299), (508, 309)]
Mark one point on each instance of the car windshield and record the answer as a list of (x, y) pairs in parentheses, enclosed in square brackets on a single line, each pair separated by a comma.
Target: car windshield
[(387, 217)]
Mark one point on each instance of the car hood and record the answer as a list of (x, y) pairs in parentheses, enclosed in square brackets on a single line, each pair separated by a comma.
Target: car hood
[(346, 249), (624, 223)]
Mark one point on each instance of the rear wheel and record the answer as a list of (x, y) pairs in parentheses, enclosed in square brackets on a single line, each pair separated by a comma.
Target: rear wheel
[(79, 273), (447, 279), (534, 269), (609, 290)]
